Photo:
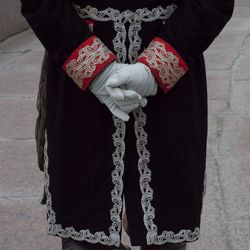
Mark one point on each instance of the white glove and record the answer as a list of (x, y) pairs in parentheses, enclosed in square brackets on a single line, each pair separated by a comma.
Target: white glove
[(137, 77), (125, 100)]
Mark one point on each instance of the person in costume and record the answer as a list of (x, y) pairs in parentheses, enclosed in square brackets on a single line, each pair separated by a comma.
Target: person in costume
[(125, 118)]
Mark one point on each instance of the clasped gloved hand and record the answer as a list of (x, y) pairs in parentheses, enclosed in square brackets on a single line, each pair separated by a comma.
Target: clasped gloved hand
[(122, 101), (136, 77)]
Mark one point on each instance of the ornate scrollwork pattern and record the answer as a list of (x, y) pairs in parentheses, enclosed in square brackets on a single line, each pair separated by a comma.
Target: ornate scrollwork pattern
[(84, 64), (166, 64)]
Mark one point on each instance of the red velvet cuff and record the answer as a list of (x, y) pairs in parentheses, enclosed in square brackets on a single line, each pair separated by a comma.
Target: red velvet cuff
[(84, 64), (165, 63)]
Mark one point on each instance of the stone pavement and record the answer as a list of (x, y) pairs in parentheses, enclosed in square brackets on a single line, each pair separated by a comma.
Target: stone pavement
[(226, 212)]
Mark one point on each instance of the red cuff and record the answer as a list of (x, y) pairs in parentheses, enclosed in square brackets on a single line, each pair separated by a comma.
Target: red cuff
[(165, 63), (84, 64)]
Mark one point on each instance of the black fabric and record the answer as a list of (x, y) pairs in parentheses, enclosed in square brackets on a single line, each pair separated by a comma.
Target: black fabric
[(195, 24), (79, 152), (168, 246), (57, 26), (80, 128)]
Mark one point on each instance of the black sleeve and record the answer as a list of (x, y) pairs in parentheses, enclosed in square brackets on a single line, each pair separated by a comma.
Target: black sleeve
[(68, 38), (185, 35), (195, 24), (56, 25)]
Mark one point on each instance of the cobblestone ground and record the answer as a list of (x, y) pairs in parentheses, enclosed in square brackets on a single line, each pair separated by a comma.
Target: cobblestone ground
[(226, 212)]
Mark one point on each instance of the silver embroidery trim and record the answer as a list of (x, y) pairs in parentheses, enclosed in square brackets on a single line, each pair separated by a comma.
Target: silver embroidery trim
[(147, 192), (120, 19), (165, 62), (116, 194), (87, 59)]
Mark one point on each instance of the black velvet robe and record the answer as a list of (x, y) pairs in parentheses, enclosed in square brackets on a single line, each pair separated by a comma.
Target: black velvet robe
[(159, 164)]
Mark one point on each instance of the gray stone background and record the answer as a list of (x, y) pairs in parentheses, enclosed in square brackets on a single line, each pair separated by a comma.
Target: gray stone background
[(226, 212), (11, 22)]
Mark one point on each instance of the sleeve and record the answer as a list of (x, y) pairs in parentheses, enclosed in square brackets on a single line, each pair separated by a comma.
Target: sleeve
[(68, 39), (185, 35)]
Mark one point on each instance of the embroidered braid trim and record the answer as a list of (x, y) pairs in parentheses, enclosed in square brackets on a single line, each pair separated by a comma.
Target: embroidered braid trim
[(87, 61), (165, 63), (147, 192), (120, 19), (116, 194)]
